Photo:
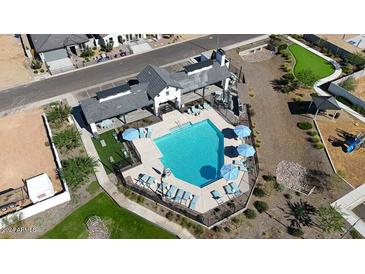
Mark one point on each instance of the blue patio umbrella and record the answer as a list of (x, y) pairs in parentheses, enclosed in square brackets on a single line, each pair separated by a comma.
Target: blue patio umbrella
[(130, 134), (242, 131), (246, 150), (229, 172)]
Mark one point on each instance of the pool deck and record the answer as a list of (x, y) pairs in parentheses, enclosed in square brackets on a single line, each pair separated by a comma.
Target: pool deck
[(151, 163)]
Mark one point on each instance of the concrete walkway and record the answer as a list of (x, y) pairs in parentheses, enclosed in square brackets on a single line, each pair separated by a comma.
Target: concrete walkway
[(123, 201), (332, 77), (347, 203)]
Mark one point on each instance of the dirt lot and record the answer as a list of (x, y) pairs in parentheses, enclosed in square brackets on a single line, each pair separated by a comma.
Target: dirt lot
[(166, 41), (339, 40), (360, 88), (12, 63), (350, 165), (24, 152)]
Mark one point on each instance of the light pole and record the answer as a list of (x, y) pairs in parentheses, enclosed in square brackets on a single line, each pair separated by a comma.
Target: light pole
[(352, 227)]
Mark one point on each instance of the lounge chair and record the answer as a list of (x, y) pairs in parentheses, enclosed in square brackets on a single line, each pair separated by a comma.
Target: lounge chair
[(149, 132), (179, 196), (162, 186), (239, 163), (193, 202), (200, 107), (228, 189), (206, 106), (195, 110), (102, 142), (186, 196), (190, 111), (143, 178), (235, 189), (142, 133), (171, 192), (217, 196), (151, 180)]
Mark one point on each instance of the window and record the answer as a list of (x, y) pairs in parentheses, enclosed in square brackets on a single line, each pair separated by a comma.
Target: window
[(167, 93), (140, 36)]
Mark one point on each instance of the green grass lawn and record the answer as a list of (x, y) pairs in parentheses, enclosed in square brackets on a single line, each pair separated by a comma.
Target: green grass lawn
[(304, 59), (112, 148), (121, 223)]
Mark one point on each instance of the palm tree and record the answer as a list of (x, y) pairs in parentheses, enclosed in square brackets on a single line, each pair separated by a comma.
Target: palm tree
[(301, 213), (67, 139), (77, 170), (59, 113)]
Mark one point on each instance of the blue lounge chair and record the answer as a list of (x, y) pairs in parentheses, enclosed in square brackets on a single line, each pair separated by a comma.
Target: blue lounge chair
[(235, 189), (142, 134), (151, 180), (162, 186), (193, 202), (179, 196), (143, 178), (228, 189), (149, 132), (206, 106), (186, 196), (217, 196), (171, 192)]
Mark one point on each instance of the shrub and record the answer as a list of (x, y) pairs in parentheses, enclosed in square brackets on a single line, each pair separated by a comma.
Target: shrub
[(35, 71), (94, 48), (236, 220), (287, 196), (349, 84), (140, 199), (315, 139), (227, 229), (289, 76), (36, 64), (169, 215), (217, 229), (329, 219), (282, 47), (355, 234), (304, 125), (313, 133), (67, 139), (250, 214), (77, 170), (319, 146), (261, 206), (107, 47), (296, 232), (269, 178), (306, 77), (58, 113), (259, 192), (42, 70), (87, 52)]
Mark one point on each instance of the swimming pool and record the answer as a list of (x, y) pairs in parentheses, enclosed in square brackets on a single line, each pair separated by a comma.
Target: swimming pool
[(194, 153)]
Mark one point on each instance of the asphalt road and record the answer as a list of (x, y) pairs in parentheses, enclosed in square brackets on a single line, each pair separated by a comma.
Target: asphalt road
[(79, 79)]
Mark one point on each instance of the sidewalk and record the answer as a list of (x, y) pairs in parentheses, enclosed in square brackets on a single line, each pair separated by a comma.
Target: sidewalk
[(124, 202), (332, 77)]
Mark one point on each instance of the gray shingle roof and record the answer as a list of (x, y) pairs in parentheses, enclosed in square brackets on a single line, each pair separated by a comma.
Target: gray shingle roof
[(157, 79), (325, 102), (200, 65), (94, 111), (47, 42), (112, 91)]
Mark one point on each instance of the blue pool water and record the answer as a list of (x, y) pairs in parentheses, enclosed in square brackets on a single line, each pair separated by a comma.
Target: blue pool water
[(194, 153)]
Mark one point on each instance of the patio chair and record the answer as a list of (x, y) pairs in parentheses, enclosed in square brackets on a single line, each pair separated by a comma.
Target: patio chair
[(236, 190), (217, 196), (239, 163), (162, 186), (190, 111), (179, 196), (193, 202), (200, 107), (186, 196), (149, 132), (196, 111), (206, 106), (228, 189), (151, 180), (142, 178), (171, 192), (142, 133)]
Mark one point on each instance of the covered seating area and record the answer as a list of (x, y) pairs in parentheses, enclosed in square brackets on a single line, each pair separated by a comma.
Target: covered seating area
[(324, 103)]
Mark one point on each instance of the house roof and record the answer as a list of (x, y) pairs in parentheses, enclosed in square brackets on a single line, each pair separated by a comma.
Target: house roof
[(157, 79), (96, 111), (199, 65), (48, 42), (325, 103), (113, 91)]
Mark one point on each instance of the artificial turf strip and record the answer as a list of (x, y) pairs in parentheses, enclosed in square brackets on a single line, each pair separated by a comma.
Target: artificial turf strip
[(122, 224), (304, 60), (112, 148)]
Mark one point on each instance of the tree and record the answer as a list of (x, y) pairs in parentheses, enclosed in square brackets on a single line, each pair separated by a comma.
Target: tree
[(261, 206), (349, 84), (301, 213), (329, 219), (67, 139), (357, 59), (58, 113), (107, 47), (87, 52), (306, 77), (77, 170)]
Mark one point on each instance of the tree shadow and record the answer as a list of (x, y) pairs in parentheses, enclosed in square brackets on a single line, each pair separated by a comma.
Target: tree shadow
[(208, 172), (228, 133), (231, 151)]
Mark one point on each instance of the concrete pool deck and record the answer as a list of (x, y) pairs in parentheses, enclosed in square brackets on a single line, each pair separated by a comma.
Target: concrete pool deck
[(152, 165)]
